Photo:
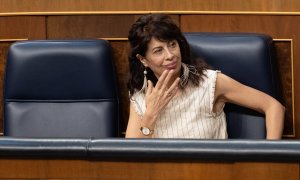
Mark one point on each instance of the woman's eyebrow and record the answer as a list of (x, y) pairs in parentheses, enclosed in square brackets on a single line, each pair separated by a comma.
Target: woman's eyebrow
[(156, 47)]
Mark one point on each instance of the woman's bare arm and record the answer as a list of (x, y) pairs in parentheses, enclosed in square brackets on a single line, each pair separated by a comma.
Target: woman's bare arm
[(229, 90)]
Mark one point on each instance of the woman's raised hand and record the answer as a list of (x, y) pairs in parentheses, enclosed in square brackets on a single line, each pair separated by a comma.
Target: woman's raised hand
[(159, 96)]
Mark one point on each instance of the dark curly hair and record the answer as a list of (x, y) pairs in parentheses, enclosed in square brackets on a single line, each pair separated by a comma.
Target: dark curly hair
[(161, 27)]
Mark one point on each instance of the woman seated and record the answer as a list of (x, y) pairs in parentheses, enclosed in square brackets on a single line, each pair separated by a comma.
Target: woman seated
[(175, 96)]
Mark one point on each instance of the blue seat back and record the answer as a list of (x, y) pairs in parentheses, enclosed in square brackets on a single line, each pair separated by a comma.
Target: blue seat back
[(63, 88), (247, 58)]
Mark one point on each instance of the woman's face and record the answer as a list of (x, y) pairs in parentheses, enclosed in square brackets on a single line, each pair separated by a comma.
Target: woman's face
[(162, 55)]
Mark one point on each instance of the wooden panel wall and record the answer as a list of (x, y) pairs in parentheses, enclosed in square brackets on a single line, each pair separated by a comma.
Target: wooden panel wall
[(93, 26), (103, 169), (12, 6), (76, 19)]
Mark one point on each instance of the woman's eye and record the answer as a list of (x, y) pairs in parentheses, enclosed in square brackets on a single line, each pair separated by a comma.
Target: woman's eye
[(173, 44), (157, 51)]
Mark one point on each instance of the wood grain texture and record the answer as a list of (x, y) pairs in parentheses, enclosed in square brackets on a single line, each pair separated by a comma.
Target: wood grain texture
[(93, 26), (23, 27), (149, 5), (284, 61), (3, 53), (120, 53), (103, 169), (255, 170)]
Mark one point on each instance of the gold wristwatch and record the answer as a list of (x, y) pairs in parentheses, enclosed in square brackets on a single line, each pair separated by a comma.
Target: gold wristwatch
[(146, 131)]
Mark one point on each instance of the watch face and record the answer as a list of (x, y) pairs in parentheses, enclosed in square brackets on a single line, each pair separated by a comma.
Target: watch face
[(145, 131)]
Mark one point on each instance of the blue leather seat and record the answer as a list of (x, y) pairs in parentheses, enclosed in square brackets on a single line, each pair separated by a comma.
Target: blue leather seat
[(249, 59), (64, 88)]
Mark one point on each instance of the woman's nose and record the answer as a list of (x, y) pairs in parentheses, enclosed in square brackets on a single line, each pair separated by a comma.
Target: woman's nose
[(169, 54)]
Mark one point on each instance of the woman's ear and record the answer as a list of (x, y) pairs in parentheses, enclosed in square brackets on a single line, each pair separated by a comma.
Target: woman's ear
[(142, 59)]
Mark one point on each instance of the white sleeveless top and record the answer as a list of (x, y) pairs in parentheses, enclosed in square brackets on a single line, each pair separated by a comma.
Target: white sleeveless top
[(189, 115)]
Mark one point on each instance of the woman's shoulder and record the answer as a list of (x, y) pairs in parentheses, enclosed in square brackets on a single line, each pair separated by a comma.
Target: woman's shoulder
[(209, 73)]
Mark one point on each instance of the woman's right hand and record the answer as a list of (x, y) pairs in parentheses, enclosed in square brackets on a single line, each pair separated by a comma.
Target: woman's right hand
[(159, 96)]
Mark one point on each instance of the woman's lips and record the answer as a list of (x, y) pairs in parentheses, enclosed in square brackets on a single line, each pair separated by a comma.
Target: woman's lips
[(171, 65)]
